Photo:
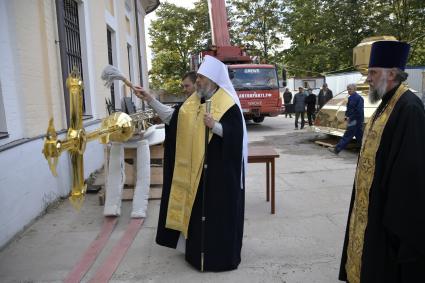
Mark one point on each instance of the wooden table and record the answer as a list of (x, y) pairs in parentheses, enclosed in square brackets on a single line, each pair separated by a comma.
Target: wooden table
[(265, 154)]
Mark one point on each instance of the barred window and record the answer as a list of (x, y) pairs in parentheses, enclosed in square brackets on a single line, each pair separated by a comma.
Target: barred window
[(69, 43), (111, 62)]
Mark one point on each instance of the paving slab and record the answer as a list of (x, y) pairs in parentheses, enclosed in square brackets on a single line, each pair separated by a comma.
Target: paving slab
[(300, 243)]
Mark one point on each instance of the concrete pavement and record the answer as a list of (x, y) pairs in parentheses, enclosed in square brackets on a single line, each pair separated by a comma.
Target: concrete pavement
[(300, 243)]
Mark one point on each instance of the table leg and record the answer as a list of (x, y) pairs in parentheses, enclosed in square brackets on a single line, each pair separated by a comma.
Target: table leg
[(267, 181), (273, 187)]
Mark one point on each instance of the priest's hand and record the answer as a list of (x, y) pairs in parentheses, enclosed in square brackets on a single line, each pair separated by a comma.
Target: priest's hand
[(209, 120), (143, 94)]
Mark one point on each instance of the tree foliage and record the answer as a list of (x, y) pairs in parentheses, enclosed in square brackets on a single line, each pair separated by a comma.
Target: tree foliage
[(323, 33), (256, 25), (405, 19), (176, 33)]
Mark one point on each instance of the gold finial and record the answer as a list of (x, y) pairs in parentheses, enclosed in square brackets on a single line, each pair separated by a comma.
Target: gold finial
[(361, 53), (74, 78)]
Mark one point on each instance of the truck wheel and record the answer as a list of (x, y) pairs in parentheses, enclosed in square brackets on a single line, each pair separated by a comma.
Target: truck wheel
[(258, 119)]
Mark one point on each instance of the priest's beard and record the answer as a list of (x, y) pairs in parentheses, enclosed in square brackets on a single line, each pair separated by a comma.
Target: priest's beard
[(377, 92), (206, 91)]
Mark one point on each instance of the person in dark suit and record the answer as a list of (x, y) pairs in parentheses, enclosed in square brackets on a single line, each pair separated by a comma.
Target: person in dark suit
[(324, 96), (287, 97), (299, 106), (311, 106)]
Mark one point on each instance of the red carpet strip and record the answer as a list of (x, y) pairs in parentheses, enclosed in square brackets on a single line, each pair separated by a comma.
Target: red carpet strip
[(89, 257), (111, 263)]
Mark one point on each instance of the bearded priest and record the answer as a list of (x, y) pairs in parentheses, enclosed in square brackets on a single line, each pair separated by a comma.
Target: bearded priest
[(385, 235), (216, 244)]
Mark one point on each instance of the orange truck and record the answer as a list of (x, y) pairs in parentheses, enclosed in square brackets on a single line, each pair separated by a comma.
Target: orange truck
[(257, 85)]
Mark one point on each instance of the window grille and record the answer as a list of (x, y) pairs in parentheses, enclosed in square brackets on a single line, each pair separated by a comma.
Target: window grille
[(111, 62), (69, 43)]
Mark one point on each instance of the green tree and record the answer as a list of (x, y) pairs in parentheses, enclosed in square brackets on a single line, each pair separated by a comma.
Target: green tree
[(201, 26), (324, 33), (176, 34), (405, 19), (256, 24), (304, 26)]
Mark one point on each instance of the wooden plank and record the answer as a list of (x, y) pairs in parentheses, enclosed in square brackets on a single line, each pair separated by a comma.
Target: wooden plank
[(130, 174), (156, 175), (127, 193), (333, 143), (130, 153), (325, 143), (157, 151), (155, 193)]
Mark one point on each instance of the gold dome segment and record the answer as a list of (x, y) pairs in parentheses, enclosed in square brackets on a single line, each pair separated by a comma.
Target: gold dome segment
[(361, 53), (361, 57), (330, 119)]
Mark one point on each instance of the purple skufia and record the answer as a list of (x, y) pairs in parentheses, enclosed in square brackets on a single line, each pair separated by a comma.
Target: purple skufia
[(389, 54)]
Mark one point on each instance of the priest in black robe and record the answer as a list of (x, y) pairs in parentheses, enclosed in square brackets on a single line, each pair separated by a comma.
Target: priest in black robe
[(180, 217), (385, 236)]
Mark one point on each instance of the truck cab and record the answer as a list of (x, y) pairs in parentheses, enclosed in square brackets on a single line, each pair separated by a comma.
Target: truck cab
[(257, 87)]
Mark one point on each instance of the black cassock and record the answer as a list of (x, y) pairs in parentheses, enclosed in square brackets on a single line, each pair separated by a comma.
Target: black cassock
[(225, 200), (394, 240)]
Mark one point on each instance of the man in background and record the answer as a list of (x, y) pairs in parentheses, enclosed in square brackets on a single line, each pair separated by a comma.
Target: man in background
[(287, 97), (311, 106), (354, 116), (188, 83), (299, 106), (324, 96)]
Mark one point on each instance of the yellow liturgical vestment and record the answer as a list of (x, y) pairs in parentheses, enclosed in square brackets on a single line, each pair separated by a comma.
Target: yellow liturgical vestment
[(364, 178), (190, 141)]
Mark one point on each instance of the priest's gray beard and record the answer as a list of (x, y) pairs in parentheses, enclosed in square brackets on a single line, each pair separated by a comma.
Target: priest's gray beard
[(377, 92), (207, 91)]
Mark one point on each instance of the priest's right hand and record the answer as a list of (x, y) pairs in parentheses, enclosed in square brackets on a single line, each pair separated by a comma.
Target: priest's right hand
[(143, 94)]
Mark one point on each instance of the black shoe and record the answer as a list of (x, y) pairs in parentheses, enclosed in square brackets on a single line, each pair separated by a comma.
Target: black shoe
[(333, 150)]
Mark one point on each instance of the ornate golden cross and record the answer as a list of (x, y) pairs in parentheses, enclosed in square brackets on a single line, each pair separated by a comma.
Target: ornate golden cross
[(116, 127)]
